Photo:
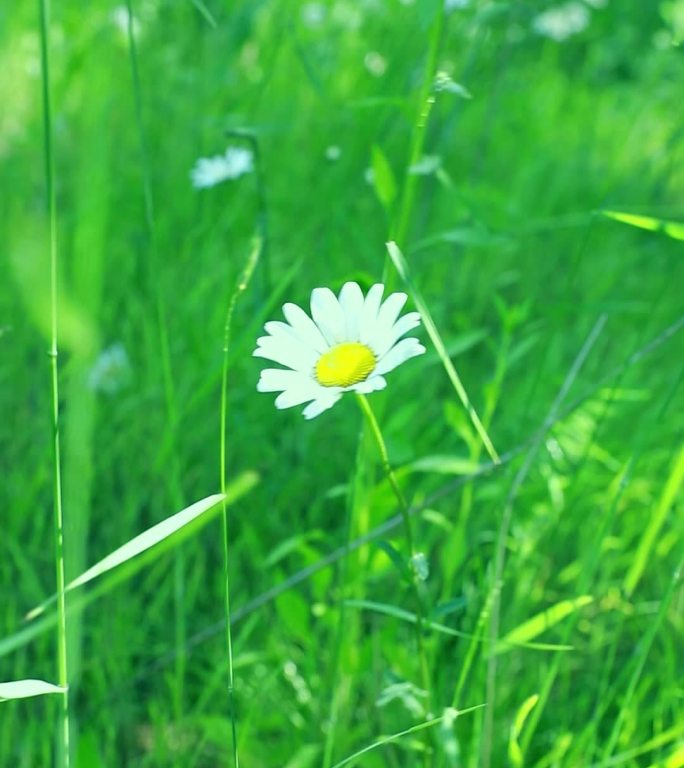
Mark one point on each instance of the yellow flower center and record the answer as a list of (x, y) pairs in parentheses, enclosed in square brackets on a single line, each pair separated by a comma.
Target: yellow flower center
[(345, 364)]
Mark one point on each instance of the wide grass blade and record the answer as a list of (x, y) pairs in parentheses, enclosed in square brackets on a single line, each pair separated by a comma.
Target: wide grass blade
[(24, 689), (673, 229), (139, 544), (403, 269)]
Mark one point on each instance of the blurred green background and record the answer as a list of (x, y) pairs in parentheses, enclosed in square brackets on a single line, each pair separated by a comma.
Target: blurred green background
[(555, 111)]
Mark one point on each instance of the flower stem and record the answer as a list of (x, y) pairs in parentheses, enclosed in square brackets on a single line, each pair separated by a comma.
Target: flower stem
[(63, 676), (426, 99), (241, 286), (408, 532)]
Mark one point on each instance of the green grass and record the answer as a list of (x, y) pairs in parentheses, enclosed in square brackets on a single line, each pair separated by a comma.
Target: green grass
[(554, 594)]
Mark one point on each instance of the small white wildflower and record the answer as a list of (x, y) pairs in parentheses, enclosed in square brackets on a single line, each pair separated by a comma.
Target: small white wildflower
[(420, 566), (455, 5), (333, 152), (375, 63), (426, 166), (110, 371), (209, 171), (119, 18), (347, 15), (313, 14), (444, 83), (562, 22), (348, 344)]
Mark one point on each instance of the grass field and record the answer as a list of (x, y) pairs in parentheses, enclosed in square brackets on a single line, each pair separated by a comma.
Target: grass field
[(525, 608)]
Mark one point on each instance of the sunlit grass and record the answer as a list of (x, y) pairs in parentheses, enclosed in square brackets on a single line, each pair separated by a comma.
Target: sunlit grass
[(553, 598)]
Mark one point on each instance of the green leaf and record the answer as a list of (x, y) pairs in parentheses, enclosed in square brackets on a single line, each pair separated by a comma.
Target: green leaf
[(673, 229), (152, 537), (534, 627), (383, 178), (515, 753), (444, 465), (24, 689)]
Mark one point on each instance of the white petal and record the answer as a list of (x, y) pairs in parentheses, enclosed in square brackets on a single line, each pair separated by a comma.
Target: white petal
[(277, 380), (351, 301), (369, 313), (283, 333), (299, 394), (305, 327), (303, 392), (382, 343), (321, 404), (327, 313), (290, 353), (372, 384), (401, 352), (387, 316)]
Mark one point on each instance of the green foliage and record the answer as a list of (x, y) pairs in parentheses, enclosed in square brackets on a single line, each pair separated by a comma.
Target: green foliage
[(510, 233)]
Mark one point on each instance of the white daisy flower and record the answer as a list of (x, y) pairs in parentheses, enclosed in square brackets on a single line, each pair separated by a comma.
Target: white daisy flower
[(209, 171), (349, 345)]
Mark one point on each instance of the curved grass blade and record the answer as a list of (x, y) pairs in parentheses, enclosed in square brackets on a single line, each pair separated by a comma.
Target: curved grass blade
[(238, 488), (449, 714), (411, 618), (138, 544), (402, 268), (515, 753)]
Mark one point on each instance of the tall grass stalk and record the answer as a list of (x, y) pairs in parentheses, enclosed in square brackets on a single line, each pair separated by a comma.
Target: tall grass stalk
[(62, 665), (174, 476), (413, 554), (241, 286), (426, 99)]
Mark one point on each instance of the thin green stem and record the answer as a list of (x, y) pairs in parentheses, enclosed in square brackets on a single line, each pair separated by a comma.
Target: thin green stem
[(426, 100), (63, 673), (242, 284), (408, 533)]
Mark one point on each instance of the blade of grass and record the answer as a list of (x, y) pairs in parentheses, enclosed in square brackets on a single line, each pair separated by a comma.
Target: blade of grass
[(24, 689), (62, 663), (655, 523), (137, 545), (242, 485), (403, 269), (449, 713), (241, 286), (673, 229), (533, 627)]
